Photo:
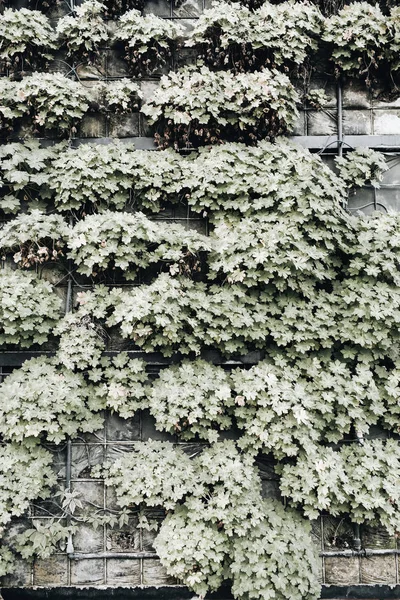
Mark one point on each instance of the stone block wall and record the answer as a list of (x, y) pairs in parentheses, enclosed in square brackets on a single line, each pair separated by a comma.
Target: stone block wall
[(112, 557)]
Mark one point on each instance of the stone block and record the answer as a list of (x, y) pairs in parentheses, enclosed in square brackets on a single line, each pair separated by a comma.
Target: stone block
[(386, 122), (124, 539), (377, 538), (149, 430), (389, 199), (59, 63), (185, 56), (337, 533), (21, 575), (187, 8), (342, 570), (125, 430), (116, 64), (96, 70), (300, 127), (382, 99), (111, 499), (86, 539), (357, 122), (93, 126), (155, 574), (322, 122), (84, 457), (123, 572), (356, 95), (161, 8), (88, 571), (146, 129), (121, 126), (51, 571), (363, 200), (90, 493), (378, 569)]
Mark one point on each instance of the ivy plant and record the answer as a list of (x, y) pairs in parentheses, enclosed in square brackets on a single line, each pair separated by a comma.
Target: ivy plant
[(34, 238), (29, 308), (22, 167), (181, 315), (81, 342), (95, 177), (148, 41), (200, 551), (358, 480), (119, 97), (279, 176), (287, 250), (357, 36), (195, 107), (50, 101), (119, 384), (231, 36), (130, 242), (206, 540), (276, 559), (286, 406), (139, 476), (191, 399), (41, 400), (362, 166), (27, 40), (25, 474), (375, 252), (84, 32)]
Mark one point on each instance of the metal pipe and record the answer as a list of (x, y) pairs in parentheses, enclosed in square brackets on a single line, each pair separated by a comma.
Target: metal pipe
[(149, 555), (339, 118), (367, 552), (357, 538), (93, 555), (68, 472)]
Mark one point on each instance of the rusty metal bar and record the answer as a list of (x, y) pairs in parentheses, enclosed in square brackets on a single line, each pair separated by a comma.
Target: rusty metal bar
[(93, 555)]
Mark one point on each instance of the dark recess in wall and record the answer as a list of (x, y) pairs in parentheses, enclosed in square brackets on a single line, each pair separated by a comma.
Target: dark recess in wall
[(329, 592)]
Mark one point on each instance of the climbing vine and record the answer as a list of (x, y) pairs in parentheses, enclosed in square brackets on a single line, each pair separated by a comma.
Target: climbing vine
[(148, 41), (27, 40), (228, 242), (195, 107)]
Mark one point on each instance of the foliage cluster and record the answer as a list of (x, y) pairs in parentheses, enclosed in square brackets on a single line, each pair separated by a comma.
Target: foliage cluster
[(332, 480), (44, 400), (218, 521), (84, 32), (196, 107), (116, 176), (148, 41), (27, 40), (131, 241), (362, 40), (29, 308), (231, 36), (48, 101), (25, 474)]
